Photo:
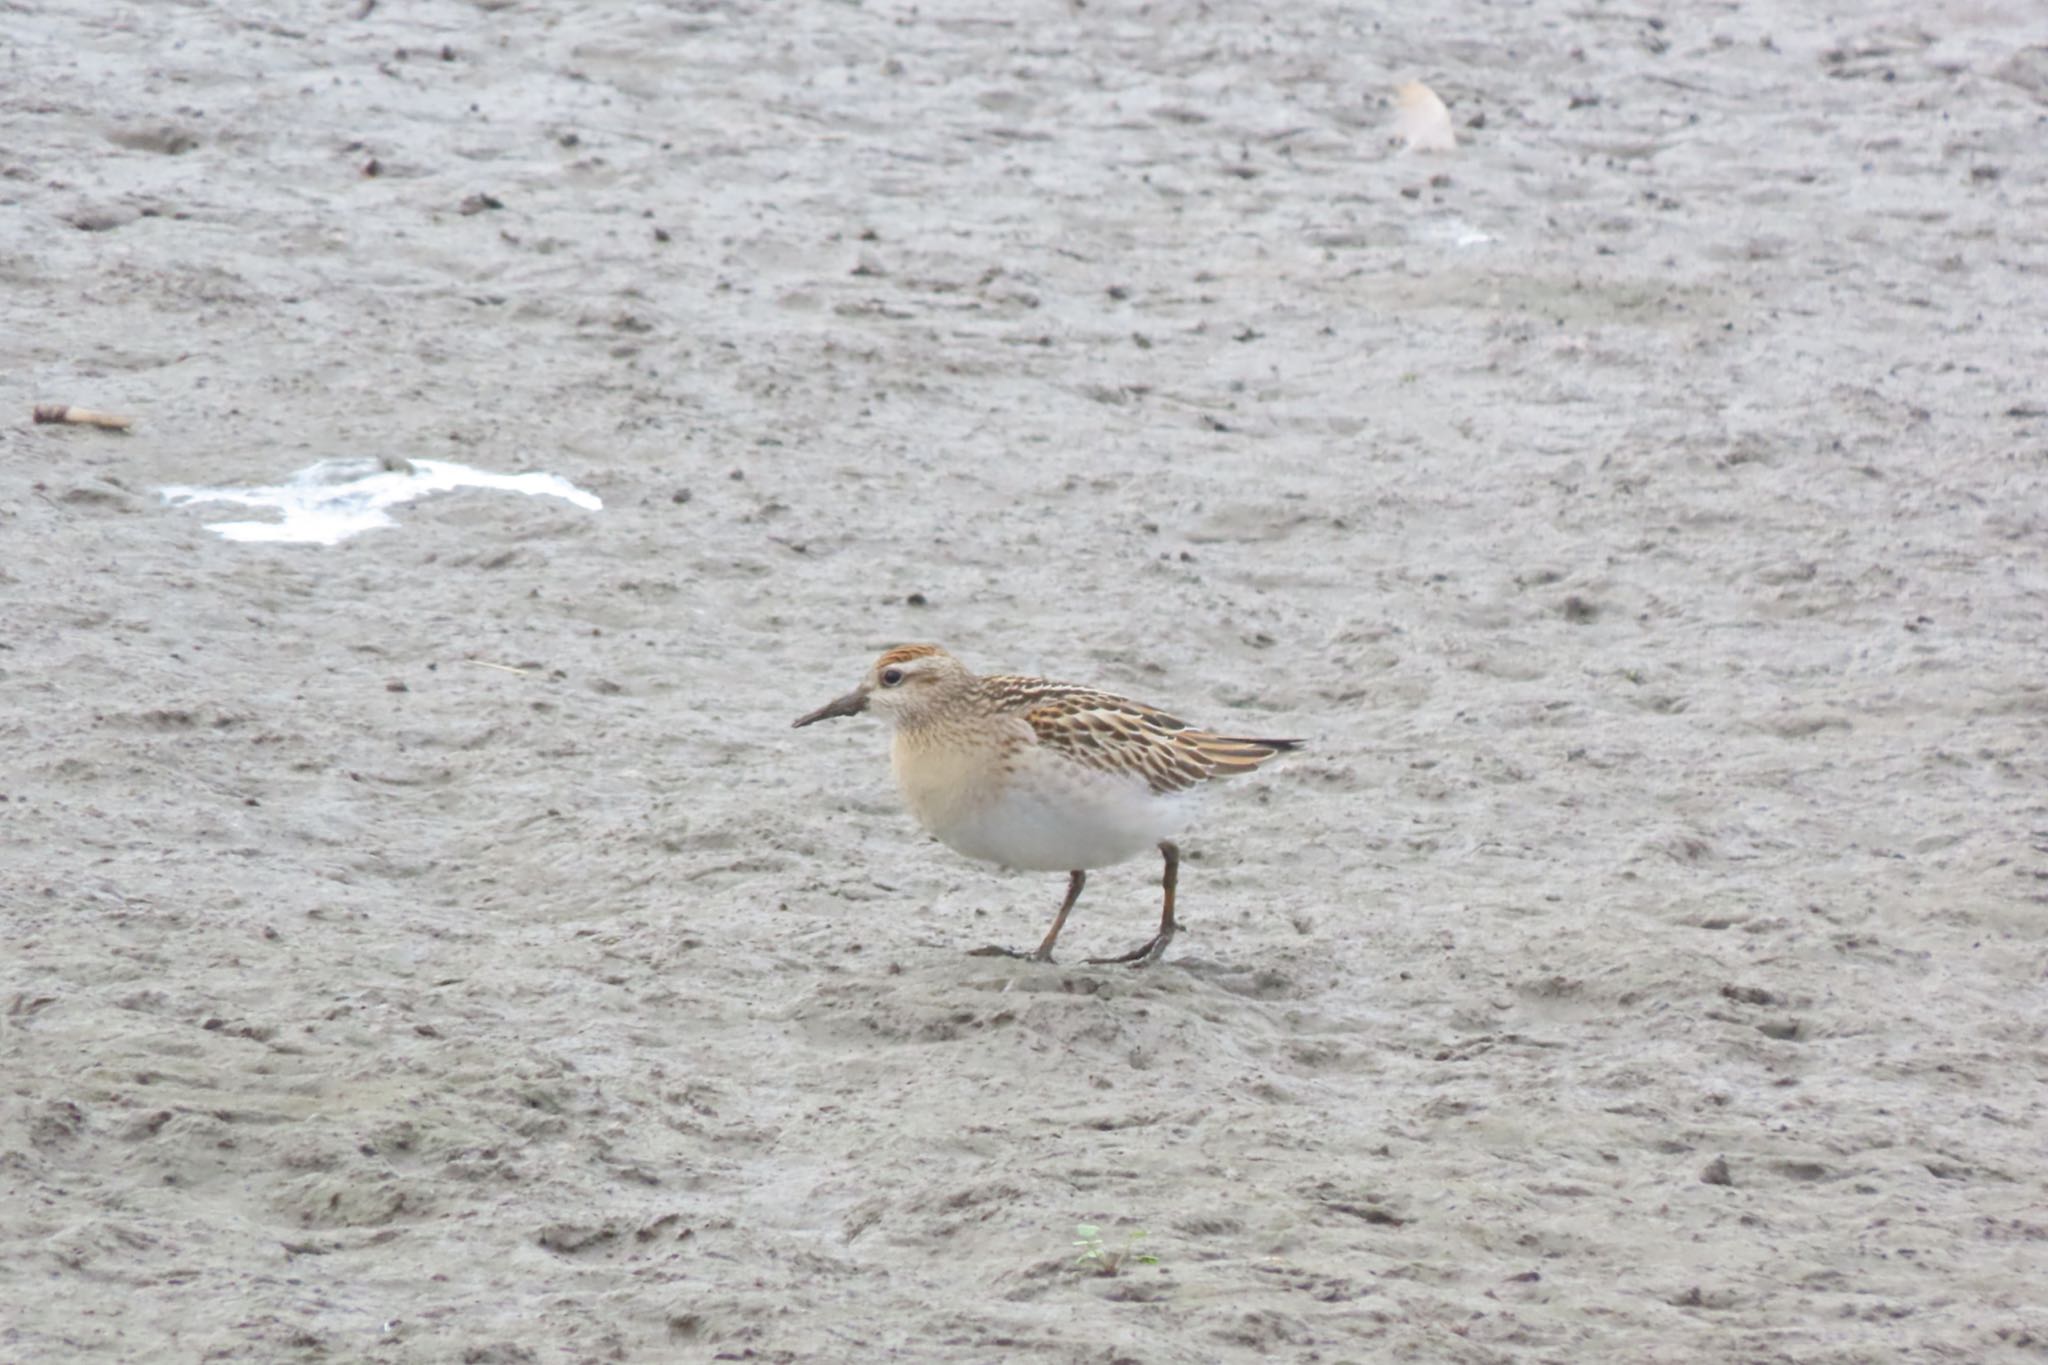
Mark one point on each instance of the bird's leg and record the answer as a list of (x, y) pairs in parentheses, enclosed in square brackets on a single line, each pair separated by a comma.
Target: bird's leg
[(1149, 953), (1075, 881)]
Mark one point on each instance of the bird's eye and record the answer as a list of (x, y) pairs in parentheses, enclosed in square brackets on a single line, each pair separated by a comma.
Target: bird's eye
[(891, 676)]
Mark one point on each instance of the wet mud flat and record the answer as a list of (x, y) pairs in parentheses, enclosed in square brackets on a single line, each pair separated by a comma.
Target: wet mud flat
[(435, 944)]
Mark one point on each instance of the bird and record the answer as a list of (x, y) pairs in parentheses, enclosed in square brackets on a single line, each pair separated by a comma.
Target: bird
[(1044, 776)]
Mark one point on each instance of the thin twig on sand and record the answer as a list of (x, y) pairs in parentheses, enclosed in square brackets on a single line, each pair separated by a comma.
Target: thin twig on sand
[(81, 417)]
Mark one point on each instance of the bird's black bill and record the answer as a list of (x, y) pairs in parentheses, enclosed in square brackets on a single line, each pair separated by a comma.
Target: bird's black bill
[(852, 704)]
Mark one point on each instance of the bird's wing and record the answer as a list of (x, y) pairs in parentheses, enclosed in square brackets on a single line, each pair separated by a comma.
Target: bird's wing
[(1117, 735)]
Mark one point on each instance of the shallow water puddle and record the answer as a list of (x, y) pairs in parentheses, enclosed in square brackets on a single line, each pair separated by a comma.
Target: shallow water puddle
[(335, 499)]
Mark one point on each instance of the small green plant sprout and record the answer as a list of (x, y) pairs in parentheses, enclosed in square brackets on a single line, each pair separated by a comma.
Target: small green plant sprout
[(1103, 1259)]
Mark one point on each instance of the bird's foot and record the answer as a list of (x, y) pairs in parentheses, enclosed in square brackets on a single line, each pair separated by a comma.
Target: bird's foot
[(1142, 956), (997, 950)]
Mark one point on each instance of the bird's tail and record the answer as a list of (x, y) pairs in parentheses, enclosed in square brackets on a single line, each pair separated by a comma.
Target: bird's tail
[(1235, 754)]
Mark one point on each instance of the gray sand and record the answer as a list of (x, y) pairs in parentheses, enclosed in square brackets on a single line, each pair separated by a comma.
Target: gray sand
[(439, 947)]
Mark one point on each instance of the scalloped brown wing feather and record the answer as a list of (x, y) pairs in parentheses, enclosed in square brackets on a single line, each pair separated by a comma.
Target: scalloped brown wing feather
[(1117, 735)]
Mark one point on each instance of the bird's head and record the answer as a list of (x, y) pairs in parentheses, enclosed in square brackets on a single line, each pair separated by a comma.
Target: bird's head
[(903, 686)]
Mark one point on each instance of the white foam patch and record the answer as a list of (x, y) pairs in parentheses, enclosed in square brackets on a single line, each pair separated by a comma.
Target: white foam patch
[(1453, 230), (335, 499)]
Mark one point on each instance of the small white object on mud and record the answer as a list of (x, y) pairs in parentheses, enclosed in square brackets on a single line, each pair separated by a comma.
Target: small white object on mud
[(1424, 125)]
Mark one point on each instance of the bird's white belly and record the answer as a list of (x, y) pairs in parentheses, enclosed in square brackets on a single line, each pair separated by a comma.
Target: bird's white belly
[(1056, 818)]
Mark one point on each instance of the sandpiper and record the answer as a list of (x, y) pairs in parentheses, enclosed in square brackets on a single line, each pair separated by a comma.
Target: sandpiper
[(1042, 775)]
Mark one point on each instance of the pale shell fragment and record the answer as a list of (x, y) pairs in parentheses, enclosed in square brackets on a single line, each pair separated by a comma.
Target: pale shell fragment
[(1422, 123)]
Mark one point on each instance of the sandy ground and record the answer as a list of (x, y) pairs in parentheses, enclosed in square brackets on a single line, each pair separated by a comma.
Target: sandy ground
[(438, 947)]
